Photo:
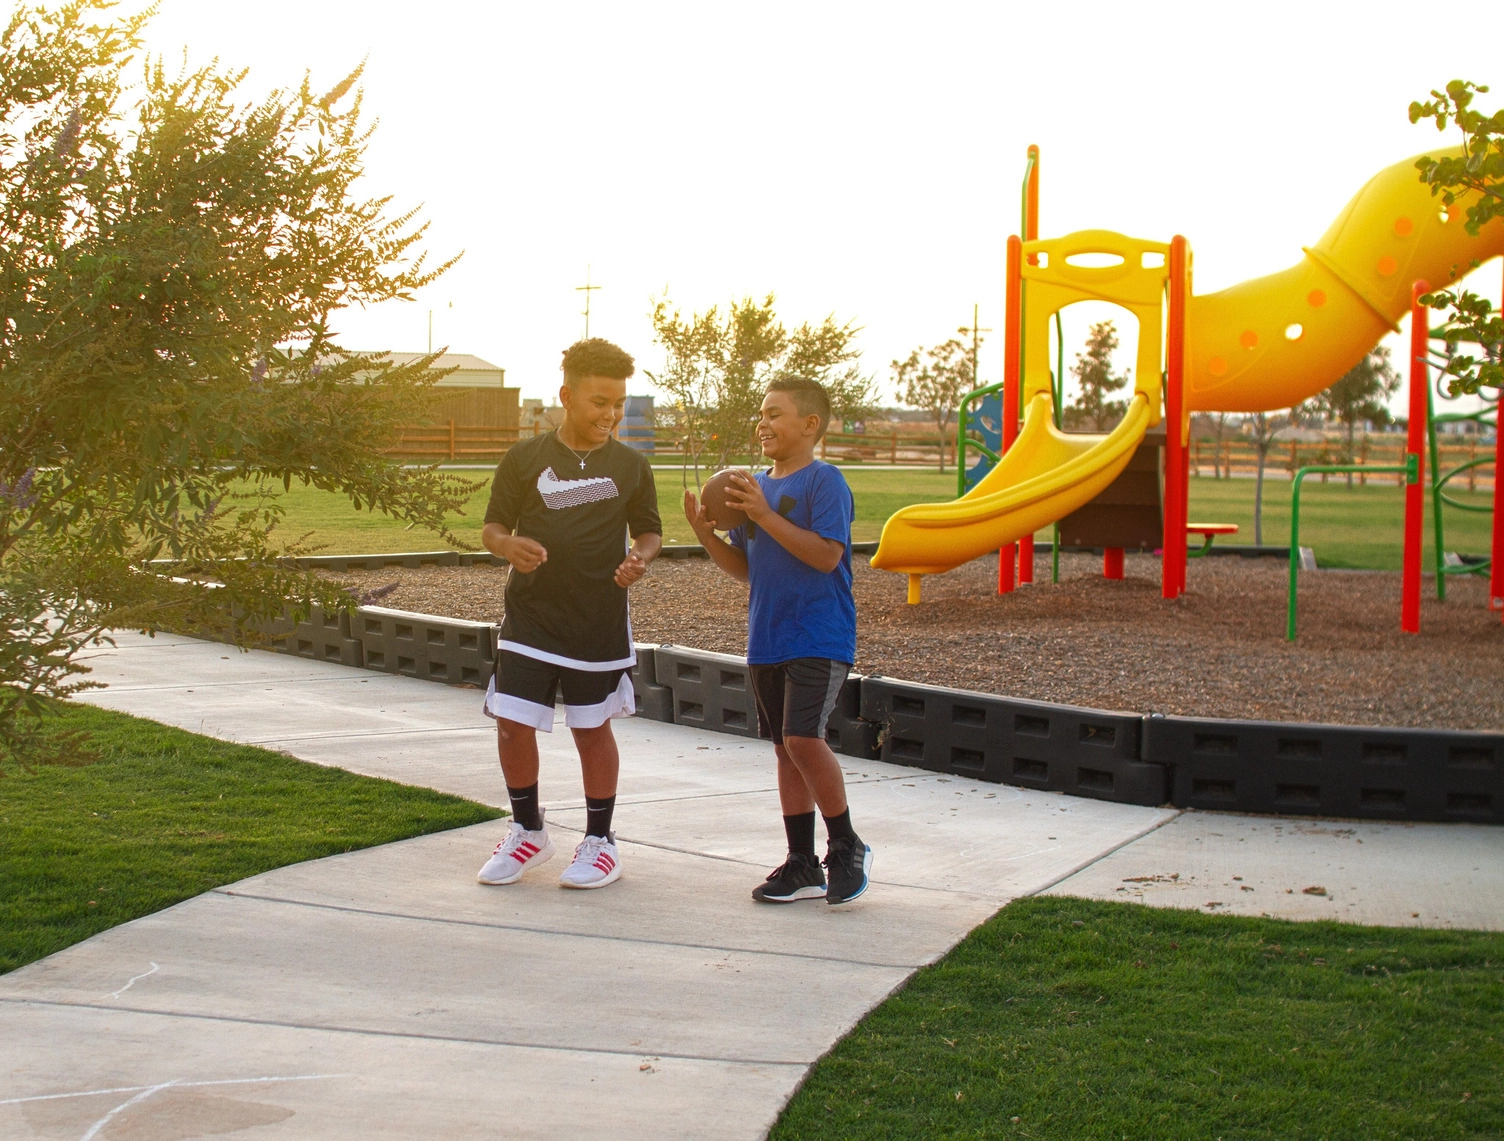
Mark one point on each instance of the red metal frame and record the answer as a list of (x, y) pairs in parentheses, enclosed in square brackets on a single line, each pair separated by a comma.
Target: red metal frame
[(1012, 352), (1031, 232), (1415, 445), (1172, 568)]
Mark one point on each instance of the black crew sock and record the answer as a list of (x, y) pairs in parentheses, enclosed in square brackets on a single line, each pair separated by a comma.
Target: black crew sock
[(839, 827), (525, 806), (801, 834), (598, 815)]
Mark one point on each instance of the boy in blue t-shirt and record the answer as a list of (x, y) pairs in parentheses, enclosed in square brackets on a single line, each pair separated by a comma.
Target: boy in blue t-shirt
[(795, 551)]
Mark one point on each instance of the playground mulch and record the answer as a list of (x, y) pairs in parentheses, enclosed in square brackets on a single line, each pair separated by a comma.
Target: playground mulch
[(1220, 651)]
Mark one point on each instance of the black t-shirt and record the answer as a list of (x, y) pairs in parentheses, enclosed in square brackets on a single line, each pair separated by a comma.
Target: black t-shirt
[(570, 611)]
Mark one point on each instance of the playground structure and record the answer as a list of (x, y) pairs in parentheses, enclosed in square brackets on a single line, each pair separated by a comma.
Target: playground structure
[(1262, 345)]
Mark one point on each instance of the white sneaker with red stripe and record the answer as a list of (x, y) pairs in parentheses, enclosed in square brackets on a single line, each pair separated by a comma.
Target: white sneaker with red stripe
[(595, 863), (514, 855)]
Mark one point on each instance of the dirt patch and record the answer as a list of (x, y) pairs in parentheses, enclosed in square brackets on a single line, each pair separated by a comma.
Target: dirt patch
[(1218, 652)]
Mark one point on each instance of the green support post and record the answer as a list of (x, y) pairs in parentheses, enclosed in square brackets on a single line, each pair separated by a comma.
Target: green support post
[(1411, 471)]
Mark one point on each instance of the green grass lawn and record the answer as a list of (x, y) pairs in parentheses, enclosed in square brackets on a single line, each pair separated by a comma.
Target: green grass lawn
[(1071, 1019), (1361, 527), (1356, 527), (164, 815)]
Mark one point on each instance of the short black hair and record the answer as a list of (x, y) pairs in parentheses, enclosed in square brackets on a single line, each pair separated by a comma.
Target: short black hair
[(810, 398), (596, 357)]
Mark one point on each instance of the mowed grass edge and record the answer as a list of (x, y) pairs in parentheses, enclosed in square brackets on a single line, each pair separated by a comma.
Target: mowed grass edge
[(164, 815), (1064, 1018), (1361, 527)]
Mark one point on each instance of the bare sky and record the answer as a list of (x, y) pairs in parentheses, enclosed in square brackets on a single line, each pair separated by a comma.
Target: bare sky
[(861, 160)]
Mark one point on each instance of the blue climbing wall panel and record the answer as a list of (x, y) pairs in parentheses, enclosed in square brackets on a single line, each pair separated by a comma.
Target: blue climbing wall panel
[(986, 419)]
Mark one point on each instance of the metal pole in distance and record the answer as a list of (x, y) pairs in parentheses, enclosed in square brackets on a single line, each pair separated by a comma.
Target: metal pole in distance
[(1012, 352), (1031, 232), (1415, 445), (1496, 569), (1172, 566)]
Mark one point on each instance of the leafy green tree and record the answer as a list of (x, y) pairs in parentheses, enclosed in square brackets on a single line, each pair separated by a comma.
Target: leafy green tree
[(1092, 411), (1361, 395), (718, 367), (174, 260), (935, 380), (1476, 176)]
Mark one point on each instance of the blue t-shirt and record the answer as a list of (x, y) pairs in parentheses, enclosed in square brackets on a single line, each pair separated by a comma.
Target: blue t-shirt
[(797, 611)]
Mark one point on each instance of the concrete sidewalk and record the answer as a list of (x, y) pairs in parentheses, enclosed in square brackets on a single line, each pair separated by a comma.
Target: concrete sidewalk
[(384, 993)]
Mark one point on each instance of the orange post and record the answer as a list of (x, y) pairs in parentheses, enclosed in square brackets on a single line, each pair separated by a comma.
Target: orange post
[(1415, 453), (1012, 355), (1172, 567), (1031, 232)]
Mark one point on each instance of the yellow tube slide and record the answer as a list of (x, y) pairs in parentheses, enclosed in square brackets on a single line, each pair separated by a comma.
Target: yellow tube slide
[(1044, 476), (1274, 341)]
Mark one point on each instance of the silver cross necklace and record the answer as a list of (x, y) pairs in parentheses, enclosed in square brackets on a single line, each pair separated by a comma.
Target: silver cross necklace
[(576, 454)]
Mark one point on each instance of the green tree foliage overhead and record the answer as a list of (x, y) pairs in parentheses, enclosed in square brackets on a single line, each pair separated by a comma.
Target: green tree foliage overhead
[(719, 366), (1476, 177), (1092, 411), (175, 256), (935, 380)]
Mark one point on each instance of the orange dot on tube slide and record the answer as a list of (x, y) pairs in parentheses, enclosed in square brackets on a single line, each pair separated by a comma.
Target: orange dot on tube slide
[(1403, 227), (1249, 339), (1387, 266), (1316, 298), (1217, 366)]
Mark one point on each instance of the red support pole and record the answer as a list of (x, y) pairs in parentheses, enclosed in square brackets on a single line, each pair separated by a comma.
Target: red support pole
[(1112, 563), (1415, 445), (1172, 566), (1031, 232), (1012, 354)]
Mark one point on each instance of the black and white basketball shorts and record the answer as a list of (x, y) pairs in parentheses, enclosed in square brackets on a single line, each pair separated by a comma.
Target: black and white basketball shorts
[(524, 690), (796, 698)]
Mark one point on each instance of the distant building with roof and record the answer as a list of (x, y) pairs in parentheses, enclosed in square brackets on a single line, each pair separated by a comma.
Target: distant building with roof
[(474, 393)]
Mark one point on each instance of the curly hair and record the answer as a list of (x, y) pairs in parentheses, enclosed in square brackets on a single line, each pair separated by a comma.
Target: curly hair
[(596, 357), (809, 396)]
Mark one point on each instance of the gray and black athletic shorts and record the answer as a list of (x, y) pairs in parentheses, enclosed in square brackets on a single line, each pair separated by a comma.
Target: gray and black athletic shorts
[(795, 698), (523, 689)]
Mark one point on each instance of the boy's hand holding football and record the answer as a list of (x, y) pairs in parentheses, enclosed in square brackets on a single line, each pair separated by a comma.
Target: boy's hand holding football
[(744, 494)]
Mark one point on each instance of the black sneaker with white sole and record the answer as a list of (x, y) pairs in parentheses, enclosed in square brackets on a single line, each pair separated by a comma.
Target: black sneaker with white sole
[(798, 878), (847, 862)]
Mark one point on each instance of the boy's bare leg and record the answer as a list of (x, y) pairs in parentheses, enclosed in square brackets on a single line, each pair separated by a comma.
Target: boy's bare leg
[(517, 746), (600, 762), (821, 773), (794, 795)]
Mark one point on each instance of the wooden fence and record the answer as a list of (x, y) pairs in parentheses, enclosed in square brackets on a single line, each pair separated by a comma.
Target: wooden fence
[(1239, 458), (1231, 458)]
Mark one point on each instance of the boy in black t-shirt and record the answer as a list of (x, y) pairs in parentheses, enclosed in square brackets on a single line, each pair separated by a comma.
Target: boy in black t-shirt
[(561, 507)]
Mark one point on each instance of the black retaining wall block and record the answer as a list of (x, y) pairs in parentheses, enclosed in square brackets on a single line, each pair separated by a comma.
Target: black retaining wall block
[(846, 732), (654, 701), (711, 691), (1032, 744), (1330, 770), (421, 645), (324, 637)]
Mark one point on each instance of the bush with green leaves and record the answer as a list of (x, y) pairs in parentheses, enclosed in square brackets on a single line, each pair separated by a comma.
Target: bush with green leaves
[(175, 256)]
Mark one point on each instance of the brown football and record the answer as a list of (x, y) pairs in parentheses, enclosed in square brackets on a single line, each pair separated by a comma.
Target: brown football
[(722, 516)]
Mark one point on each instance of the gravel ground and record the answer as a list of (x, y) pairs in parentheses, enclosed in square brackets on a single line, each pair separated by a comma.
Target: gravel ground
[(1218, 652)]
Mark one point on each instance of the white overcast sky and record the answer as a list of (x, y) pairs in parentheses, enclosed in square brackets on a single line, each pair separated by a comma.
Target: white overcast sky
[(856, 159)]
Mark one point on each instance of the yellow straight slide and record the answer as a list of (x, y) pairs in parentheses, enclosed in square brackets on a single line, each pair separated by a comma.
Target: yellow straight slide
[(1044, 476)]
